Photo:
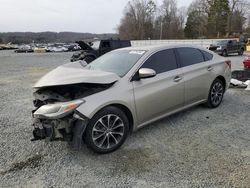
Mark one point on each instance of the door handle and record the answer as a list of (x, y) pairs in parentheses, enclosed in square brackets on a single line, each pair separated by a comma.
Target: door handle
[(177, 78), (210, 68)]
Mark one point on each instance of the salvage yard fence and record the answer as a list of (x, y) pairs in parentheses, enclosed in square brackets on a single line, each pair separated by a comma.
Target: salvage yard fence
[(199, 42)]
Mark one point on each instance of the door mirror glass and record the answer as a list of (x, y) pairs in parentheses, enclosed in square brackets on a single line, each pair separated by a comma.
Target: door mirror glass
[(146, 73)]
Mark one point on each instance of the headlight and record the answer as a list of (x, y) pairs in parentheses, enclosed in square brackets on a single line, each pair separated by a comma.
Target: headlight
[(219, 48), (57, 110)]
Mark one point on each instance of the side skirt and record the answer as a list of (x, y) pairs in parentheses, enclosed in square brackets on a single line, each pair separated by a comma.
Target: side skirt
[(169, 113)]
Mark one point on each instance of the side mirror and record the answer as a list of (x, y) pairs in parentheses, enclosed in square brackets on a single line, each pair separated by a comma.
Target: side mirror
[(146, 73)]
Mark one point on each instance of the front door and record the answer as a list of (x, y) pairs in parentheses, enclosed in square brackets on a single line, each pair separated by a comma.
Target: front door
[(163, 93)]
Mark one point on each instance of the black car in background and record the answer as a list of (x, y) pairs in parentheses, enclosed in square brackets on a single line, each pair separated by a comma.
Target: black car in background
[(225, 47), (24, 50), (95, 49)]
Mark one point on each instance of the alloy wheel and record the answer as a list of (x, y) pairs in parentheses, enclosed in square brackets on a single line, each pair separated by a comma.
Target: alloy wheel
[(108, 131), (217, 93)]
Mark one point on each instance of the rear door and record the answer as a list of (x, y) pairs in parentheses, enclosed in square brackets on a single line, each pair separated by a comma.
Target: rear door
[(163, 93), (235, 46), (196, 73), (230, 46), (115, 44)]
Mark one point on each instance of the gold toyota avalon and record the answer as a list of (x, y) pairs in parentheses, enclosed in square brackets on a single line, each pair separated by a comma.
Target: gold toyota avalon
[(100, 103)]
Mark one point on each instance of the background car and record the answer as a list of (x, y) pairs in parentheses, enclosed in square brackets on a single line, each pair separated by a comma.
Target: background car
[(24, 49), (225, 47), (97, 48), (246, 62)]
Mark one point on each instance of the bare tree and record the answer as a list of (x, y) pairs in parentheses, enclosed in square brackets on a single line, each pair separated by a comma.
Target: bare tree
[(137, 22), (196, 25), (168, 13), (239, 11), (182, 14)]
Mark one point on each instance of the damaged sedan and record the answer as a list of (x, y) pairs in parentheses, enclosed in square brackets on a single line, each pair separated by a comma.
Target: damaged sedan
[(101, 103)]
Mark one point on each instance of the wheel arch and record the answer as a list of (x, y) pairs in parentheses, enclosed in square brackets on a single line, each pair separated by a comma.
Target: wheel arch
[(221, 78), (128, 113), (123, 108)]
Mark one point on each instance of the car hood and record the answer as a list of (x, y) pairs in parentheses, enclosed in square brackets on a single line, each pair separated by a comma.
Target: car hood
[(74, 73), (84, 45)]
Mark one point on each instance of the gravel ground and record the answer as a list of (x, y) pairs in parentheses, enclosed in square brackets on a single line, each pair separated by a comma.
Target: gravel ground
[(199, 147)]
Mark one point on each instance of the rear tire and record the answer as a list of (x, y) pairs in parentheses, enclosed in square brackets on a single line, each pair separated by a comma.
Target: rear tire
[(241, 52), (216, 94), (224, 53), (107, 130)]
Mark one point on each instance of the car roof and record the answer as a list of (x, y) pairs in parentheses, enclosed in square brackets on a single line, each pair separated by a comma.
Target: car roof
[(160, 47)]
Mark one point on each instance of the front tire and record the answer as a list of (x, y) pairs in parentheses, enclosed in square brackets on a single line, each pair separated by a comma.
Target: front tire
[(216, 94), (107, 130)]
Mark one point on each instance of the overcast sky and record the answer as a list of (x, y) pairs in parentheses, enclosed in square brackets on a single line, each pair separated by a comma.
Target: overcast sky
[(95, 16)]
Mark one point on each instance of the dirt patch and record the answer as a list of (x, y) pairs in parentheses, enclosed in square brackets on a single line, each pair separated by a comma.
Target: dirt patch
[(38, 70), (134, 161), (32, 162)]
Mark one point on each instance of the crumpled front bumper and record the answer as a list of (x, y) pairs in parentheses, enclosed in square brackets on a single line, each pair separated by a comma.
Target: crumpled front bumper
[(70, 129)]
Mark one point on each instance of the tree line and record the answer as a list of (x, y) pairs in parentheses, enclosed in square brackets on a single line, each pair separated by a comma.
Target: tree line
[(144, 19), (47, 37)]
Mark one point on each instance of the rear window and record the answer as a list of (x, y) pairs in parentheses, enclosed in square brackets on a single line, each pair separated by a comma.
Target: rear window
[(115, 44), (120, 44), (207, 55), (190, 56)]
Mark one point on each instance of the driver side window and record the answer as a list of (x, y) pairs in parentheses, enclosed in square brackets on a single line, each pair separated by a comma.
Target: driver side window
[(162, 61)]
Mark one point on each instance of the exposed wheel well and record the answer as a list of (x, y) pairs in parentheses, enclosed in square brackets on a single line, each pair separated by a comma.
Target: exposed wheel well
[(221, 78)]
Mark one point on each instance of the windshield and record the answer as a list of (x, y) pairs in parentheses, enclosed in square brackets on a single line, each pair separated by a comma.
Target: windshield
[(118, 62), (221, 42), (96, 45)]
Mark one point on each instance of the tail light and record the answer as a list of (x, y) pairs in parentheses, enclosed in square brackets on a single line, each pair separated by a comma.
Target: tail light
[(228, 62)]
